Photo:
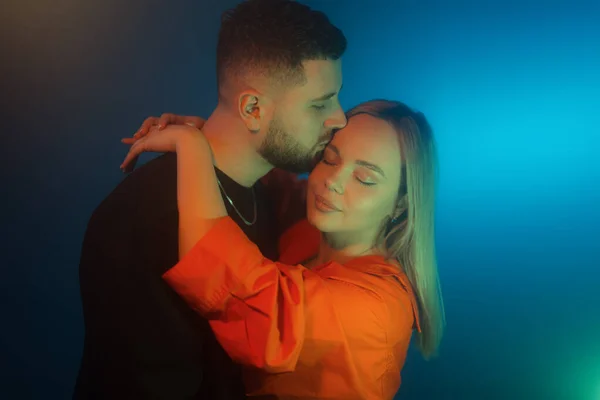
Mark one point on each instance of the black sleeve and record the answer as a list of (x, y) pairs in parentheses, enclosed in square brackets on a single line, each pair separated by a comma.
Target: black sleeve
[(141, 340)]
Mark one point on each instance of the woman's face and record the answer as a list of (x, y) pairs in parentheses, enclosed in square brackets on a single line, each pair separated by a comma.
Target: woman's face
[(355, 186)]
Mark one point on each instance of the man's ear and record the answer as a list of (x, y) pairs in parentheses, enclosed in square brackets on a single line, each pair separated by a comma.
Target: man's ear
[(252, 109)]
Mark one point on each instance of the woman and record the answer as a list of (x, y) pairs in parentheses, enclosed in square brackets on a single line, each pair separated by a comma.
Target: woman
[(334, 317)]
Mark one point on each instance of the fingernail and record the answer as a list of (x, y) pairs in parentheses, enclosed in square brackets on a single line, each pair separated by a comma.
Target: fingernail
[(193, 125)]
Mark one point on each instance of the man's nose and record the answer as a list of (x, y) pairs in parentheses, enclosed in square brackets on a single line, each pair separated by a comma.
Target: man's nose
[(337, 120)]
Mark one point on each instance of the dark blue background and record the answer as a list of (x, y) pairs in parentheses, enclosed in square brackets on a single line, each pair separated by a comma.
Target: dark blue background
[(510, 87)]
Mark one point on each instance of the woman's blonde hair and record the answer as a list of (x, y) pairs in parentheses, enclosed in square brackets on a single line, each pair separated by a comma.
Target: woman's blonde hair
[(409, 235)]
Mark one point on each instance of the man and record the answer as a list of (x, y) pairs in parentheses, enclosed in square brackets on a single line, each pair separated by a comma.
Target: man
[(279, 75)]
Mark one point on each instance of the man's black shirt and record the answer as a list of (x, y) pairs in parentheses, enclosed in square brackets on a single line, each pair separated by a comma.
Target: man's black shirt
[(142, 341)]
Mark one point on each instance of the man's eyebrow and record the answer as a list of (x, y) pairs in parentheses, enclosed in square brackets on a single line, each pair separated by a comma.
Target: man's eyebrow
[(324, 97), (327, 96)]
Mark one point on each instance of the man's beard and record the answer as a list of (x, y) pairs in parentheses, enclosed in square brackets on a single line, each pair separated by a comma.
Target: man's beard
[(282, 150)]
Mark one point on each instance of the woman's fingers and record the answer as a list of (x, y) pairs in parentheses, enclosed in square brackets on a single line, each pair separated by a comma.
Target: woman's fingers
[(135, 150), (167, 119), (146, 127)]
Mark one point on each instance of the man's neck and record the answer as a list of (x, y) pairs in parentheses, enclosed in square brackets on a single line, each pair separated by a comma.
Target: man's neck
[(234, 152)]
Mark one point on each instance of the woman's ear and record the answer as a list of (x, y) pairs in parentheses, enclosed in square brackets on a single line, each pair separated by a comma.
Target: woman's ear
[(401, 209)]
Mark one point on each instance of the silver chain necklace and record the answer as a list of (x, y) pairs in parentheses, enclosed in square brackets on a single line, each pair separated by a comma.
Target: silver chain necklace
[(235, 208)]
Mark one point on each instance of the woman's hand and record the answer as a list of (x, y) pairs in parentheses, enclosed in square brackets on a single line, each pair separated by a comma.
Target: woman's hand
[(162, 141), (165, 120), (160, 123)]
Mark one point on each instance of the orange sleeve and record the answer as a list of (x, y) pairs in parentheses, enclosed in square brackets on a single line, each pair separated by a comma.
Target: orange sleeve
[(264, 312)]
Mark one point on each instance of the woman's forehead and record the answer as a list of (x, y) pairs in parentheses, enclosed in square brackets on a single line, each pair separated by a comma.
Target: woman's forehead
[(370, 139)]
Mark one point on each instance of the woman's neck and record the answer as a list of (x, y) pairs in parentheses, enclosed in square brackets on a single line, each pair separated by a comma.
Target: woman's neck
[(341, 249)]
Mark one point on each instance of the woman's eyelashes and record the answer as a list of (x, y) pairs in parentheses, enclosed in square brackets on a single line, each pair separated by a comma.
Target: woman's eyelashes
[(365, 181)]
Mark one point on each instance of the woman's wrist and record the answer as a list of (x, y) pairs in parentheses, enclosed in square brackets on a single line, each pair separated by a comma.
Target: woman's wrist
[(193, 141)]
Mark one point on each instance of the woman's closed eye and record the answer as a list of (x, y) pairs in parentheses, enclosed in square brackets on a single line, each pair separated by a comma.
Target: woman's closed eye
[(365, 180), (361, 178), (329, 157)]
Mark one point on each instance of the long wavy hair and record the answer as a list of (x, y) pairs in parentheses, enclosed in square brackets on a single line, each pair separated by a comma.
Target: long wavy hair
[(410, 237)]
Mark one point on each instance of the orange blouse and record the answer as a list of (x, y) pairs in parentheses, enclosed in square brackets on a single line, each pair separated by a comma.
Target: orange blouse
[(331, 332)]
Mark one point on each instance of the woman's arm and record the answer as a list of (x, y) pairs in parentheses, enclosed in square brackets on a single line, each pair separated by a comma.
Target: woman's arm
[(265, 313), (198, 196), (199, 199)]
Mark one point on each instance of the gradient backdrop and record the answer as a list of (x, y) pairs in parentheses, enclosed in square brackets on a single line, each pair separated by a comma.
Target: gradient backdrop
[(511, 88)]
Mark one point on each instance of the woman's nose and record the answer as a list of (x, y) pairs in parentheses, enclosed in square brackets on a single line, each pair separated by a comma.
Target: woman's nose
[(334, 183)]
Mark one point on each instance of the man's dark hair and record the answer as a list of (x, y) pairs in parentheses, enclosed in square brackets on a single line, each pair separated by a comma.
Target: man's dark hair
[(272, 38)]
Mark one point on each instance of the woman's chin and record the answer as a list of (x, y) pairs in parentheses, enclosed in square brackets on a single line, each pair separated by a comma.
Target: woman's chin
[(322, 222)]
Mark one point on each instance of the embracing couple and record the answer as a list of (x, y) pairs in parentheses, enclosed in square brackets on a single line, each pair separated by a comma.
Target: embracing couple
[(213, 272)]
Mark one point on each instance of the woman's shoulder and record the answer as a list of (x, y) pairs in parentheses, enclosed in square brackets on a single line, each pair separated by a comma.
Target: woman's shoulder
[(379, 284), (374, 270)]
